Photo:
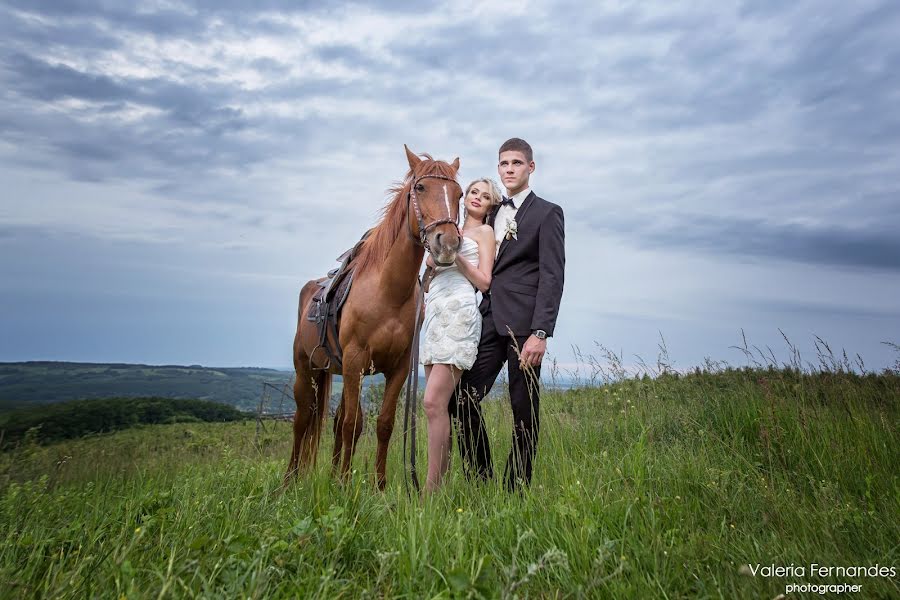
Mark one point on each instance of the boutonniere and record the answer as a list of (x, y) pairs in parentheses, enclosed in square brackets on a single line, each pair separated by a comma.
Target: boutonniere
[(511, 230)]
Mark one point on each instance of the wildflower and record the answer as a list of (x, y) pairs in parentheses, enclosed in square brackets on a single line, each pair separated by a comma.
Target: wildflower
[(137, 530), (459, 510)]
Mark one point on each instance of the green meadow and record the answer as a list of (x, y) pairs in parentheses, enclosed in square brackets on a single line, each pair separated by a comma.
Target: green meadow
[(654, 487)]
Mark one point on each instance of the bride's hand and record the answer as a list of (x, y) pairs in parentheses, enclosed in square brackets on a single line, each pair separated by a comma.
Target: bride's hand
[(429, 262)]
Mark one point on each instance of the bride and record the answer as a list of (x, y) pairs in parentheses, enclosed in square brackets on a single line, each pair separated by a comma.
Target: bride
[(452, 327)]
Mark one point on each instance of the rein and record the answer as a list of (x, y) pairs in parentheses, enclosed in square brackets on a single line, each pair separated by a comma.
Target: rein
[(412, 391), (412, 380)]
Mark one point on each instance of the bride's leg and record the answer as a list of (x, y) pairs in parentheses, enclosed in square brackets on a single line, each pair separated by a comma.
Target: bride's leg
[(438, 389)]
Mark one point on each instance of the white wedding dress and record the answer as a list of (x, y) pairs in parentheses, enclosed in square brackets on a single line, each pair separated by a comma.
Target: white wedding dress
[(452, 327)]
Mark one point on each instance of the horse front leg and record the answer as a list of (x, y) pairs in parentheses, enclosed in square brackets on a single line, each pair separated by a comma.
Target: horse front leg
[(338, 436), (392, 386), (352, 422)]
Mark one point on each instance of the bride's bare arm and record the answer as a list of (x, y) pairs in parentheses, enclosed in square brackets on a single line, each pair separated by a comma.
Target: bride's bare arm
[(480, 276)]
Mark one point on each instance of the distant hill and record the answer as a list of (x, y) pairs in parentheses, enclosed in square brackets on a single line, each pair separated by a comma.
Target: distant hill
[(25, 384), (64, 420)]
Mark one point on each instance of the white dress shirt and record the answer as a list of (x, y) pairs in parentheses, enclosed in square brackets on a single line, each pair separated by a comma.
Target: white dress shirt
[(507, 214)]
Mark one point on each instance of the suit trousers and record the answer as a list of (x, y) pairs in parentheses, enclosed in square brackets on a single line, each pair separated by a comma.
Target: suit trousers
[(524, 394)]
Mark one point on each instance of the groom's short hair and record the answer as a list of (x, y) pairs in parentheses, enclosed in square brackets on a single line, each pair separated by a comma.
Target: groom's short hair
[(517, 145)]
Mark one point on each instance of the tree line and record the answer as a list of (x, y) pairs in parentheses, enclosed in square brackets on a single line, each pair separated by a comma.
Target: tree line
[(77, 418)]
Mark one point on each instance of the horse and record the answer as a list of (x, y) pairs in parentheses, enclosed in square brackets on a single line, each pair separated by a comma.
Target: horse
[(378, 320)]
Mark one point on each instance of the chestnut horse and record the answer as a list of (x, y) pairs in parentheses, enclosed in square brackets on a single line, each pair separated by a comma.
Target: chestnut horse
[(378, 319)]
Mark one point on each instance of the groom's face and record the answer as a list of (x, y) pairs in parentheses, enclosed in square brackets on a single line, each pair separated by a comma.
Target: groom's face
[(514, 171)]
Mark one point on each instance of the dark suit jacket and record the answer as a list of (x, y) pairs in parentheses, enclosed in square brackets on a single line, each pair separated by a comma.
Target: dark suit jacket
[(527, 282)]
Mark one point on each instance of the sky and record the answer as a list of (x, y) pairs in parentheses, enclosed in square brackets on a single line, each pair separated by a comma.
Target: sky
[(173, 172)]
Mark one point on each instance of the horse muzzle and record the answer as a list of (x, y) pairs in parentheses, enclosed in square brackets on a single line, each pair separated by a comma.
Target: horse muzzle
[(443, 247)]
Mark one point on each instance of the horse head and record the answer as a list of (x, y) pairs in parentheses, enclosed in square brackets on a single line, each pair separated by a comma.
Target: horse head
[(433, 197)]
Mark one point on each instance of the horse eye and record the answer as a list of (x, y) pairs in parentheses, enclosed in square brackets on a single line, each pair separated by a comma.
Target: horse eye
[(420, 187)]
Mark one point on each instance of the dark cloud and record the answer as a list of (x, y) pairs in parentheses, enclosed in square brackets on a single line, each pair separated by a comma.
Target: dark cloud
[(152, 149), (67, 14), (193, 105), (270, 66), (84, 36), (766, 162), (829, 74), (764, 8), (755, 238), (185, 126), (823, 309), (348, 55), (843, 73), (195, 20), (47, 82)]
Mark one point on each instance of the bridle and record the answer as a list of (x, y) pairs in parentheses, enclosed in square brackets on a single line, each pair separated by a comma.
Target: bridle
[(411, 199)]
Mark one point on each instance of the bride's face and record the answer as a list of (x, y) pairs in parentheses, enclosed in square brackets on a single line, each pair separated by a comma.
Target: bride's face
[(478, 200)]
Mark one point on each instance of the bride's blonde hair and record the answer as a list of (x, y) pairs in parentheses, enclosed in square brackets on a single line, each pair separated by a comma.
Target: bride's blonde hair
[(494, 192)]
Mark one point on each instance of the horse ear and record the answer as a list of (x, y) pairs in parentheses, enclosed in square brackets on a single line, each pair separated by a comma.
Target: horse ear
[(455, 164), (412, 158)]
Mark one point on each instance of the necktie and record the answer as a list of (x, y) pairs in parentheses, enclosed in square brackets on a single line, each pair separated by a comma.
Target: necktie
[(507, 202)]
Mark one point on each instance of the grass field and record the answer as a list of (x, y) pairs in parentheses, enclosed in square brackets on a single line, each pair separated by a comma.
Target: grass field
[(649, 488)]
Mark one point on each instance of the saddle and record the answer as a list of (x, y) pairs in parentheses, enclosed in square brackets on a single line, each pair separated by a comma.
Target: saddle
[(325, 309)]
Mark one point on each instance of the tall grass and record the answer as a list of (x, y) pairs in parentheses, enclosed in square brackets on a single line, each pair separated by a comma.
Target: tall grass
[(644, 486)]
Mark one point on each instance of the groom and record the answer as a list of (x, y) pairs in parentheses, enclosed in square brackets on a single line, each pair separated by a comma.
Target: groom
[(519, 314)]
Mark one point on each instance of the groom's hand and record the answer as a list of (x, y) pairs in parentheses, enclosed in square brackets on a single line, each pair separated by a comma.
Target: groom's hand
[(532, 352)]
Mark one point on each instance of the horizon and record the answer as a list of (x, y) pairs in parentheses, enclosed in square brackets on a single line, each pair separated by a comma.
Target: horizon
[(587, 372)]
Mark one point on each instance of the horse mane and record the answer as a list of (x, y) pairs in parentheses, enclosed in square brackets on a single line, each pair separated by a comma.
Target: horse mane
[(393, 216)]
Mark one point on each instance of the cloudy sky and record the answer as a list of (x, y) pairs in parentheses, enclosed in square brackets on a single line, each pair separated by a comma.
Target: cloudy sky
[(172, 173)]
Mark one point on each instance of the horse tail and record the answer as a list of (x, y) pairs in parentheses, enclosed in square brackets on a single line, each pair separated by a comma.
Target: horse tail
[(323, 400), (322, 385)]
